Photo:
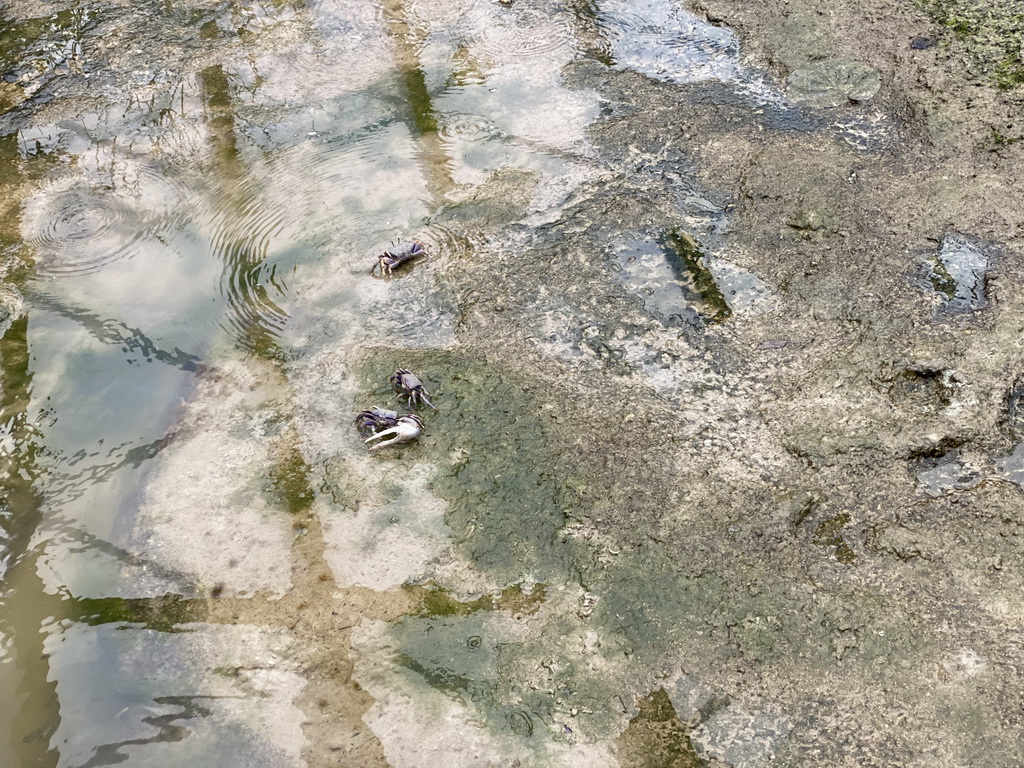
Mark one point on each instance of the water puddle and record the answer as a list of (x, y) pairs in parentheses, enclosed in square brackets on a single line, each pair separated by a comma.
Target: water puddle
[(84, 221), (181, 696), (1012, 467), (958, 275), (948, 475), (665, 42), (680, 284)]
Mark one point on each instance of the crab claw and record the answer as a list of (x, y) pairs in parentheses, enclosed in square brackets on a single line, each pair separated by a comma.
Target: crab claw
[(408, 428)]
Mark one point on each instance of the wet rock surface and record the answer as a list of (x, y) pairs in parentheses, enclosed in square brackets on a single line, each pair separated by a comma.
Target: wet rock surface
[(832, 83), (726, 467)]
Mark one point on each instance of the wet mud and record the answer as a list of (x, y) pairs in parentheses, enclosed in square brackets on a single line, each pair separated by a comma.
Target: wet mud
[(721, 311)]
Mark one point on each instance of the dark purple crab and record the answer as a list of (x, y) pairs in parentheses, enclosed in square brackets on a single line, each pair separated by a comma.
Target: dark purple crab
[(375, 420), (398, 254), (408, 385)]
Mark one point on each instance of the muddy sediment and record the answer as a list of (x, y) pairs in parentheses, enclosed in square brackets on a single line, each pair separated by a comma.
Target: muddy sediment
[(769, 528)]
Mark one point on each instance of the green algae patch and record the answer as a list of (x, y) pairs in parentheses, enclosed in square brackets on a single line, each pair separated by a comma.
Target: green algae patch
[(434, 600), (989, 36), (518, 683), (443, 679), (942, 282), (1009, 74), (289, 483), (16, 178), (689, 264), (829, 534), (496, 463), (650, 609), (164, 613), (657, 738)]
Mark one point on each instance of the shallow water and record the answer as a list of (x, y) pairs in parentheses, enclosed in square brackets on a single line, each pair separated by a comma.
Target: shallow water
[(200, 324)]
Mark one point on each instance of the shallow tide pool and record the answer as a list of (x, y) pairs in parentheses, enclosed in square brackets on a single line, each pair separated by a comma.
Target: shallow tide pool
[(202, 564)]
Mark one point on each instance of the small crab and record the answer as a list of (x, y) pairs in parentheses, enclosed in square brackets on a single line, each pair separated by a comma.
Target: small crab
[(407, 427), (397, 255), (408, 385), (375, 420)]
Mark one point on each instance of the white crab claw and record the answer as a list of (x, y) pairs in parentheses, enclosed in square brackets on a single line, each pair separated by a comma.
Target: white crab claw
[(405, 430)]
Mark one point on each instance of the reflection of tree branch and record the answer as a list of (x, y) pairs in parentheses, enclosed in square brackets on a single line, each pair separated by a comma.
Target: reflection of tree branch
[(132, 340), (66, 487), (255, 316), (164, 613), (436, 163), (17, 484), (167, 730), (252, 315)]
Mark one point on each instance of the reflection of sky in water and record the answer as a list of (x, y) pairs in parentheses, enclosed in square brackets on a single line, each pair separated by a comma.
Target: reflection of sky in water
[(500, 101), (181, 697), (665, 42), (965, 265), (121, 318), (662, 40), (643, 268), (1012, 467), (950, 475)]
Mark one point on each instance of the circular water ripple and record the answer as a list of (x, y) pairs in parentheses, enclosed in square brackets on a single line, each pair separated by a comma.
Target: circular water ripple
[(254, 317), (440, 245), (315, 201), (524, 31), (667, 43), (441, 242), (357, 180), (493, 33), (448, 20), (467, 127), (245, 225), (80, 223)]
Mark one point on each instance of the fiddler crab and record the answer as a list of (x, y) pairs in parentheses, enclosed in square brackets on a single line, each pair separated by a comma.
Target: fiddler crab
[(398, 254), (379, 423), (408, 385)]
